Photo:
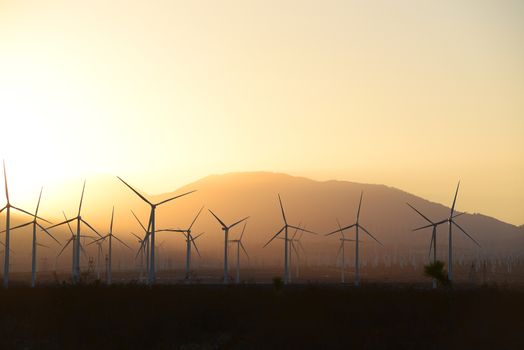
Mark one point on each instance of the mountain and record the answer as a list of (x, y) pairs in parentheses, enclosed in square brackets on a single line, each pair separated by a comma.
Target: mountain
[(315, 204)]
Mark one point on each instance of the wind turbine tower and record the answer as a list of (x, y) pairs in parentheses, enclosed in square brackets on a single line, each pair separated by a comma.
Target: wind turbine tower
[(151, 228), (226, 229), (286, 240), (357, 226)]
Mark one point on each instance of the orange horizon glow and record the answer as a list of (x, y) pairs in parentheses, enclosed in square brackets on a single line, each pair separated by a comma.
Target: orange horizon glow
[(407, 94)]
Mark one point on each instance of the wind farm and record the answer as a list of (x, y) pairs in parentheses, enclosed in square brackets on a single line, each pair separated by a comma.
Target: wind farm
[(261, 175)]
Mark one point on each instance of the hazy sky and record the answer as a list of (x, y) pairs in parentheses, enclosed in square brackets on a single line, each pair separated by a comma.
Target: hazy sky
[(412, 94)]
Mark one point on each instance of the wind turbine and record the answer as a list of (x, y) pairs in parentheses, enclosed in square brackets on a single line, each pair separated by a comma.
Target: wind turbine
[(8, 208), (151, 228), (451, 222), (342, 250), (73, 239), (140, 252), (109, 237), (35, 223), (357, 226), (189, 240), (433, 241), (77, 246), (286, 240), (240, 245), (144, 244), (294, 248), (226, 229)]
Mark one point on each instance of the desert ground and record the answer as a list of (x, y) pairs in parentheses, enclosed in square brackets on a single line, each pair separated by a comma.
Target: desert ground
[(305, 316)]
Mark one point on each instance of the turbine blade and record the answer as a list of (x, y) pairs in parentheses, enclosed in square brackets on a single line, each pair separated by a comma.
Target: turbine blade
[(96, 240), (140, 249), (431, 244), (431, 225), (91, 227), (296, 231), (370, 235), (195, 219), (138, 220), (112, 217), (4, 208), (243, 230), (415, 209), (136, 192), (200, 234), (48, 233), (340, 230), (175, 197), (216, 217), (6, 188), (42, 245), (294, 248), (19, 226), (65, 246), (30, 214), (282, 209), (454, 200), (359, 204), (194, 245), (275, 236), (62, 223), (138, 237), (239, 221), (81, 198), (171, 230), (460, 228), (243, 248), (118, 239), (68, 225), (302, 229), (38, 203)]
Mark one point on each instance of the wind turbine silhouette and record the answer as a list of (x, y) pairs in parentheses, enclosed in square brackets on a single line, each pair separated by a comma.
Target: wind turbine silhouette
[(35, 223), (73, 239), (189, 240), (8, 208), (140, 252), (451, 222), (342, 250), (286, 240), (357, 226), (109, 237), (151, 227), (433, 241), (294, 248), (77, 246), (240, 245), (226, 229), (144, 245)]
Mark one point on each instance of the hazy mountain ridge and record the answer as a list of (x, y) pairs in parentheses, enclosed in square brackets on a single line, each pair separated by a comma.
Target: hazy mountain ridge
[(316, 204)]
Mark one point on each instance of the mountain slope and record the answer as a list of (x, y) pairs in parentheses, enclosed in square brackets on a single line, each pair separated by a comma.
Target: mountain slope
[(313, 203)]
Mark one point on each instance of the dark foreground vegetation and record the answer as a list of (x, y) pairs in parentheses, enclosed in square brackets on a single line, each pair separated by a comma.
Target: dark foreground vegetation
[(260, 317)]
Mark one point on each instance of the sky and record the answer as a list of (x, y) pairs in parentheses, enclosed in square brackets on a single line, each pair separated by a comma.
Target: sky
[(412, 94)]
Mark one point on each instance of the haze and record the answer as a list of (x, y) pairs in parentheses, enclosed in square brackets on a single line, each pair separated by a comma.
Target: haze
[(409, 94)]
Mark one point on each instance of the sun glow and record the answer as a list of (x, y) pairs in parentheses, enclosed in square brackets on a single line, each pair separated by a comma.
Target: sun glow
[(85, 90)]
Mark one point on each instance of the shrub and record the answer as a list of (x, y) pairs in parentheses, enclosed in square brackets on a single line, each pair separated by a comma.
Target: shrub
[(436, 271), (278, 283)]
